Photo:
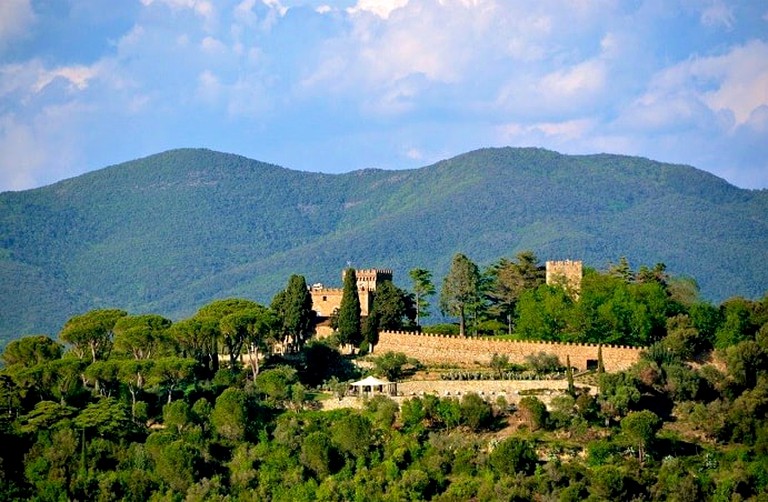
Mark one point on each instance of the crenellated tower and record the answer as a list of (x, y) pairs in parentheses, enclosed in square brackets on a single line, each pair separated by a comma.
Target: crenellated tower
[(566, 273)]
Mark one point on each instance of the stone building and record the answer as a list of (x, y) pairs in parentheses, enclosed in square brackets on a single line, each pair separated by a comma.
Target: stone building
[(565, 273), (325, 301)]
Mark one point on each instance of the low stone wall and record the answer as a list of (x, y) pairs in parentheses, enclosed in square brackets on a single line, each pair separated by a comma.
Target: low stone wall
[(490, 390), (442, 349)]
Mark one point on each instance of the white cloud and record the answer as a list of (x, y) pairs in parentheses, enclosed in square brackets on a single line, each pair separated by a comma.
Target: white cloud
[(735, 84), (16, 17), (21, 159), (381, 8), (276, 6), (201, 7), (77, 76), (562, 132), (582, 79), (718, 14), (213, 46), (39, 149), (741, 80)]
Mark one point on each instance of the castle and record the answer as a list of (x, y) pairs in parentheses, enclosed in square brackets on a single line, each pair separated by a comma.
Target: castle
[(440, 349), (325, 301)]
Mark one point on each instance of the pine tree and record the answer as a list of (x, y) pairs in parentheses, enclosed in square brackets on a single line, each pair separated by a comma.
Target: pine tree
[(349, 326), (422, 288), (461, 289)]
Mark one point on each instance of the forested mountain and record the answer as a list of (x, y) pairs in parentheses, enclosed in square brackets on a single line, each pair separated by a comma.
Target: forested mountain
[(169, 233)]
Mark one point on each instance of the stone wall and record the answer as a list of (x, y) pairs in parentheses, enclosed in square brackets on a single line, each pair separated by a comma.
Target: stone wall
[(441, 349)]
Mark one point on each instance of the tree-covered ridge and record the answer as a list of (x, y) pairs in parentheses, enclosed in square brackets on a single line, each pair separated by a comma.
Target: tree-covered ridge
[(165, 233), (224, 404)]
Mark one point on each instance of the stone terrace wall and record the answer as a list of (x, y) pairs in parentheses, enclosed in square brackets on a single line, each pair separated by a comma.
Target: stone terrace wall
[(441, 349)]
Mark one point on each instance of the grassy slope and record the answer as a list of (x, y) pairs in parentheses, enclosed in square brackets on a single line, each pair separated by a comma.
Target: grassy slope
[(170, 232)]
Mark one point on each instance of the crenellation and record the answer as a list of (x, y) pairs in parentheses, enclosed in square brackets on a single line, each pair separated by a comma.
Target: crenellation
[(442, 349)]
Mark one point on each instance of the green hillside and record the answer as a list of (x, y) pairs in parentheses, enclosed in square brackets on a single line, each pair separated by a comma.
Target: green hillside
[(170, 232)]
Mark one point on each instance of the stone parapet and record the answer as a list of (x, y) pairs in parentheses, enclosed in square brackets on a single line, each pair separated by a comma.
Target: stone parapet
[(453, 350)]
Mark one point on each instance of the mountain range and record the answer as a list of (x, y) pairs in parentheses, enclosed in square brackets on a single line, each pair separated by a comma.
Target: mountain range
[(171, 232)]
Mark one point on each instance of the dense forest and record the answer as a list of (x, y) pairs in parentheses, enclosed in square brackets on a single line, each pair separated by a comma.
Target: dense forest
[(228, 404), (166, 233)]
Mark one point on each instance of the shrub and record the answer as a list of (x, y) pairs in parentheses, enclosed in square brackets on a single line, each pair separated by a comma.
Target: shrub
[(543, 363)]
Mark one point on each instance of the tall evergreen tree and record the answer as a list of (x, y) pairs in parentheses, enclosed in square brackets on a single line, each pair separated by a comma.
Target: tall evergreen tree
[(422, 289), (392, 306), (294, 307), (569, 376), (461, 289), (508, 280), (349, 325)]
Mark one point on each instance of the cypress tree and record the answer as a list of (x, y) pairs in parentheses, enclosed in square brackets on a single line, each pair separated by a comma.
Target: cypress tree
[(349, 327), (371, 328), (569, 376), (298, 316), (600, 366)]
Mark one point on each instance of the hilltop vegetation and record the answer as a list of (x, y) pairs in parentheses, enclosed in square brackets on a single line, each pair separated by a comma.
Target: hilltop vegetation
[(166, 233), (136, 407)]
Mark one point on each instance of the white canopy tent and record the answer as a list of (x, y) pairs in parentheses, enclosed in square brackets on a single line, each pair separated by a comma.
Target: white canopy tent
[(371, 385)]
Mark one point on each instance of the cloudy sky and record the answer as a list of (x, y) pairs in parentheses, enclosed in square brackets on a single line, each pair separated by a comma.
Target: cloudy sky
[(333, 86)]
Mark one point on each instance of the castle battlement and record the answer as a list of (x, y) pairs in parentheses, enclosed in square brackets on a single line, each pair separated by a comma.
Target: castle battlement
[(448, 349), (325, 301)]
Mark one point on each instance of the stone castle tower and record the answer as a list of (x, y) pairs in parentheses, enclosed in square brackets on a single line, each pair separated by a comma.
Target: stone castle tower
[(369, 278), (325, 301), (566, 273)]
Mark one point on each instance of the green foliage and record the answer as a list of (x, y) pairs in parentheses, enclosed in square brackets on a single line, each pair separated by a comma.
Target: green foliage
[(618, 393), (322, 362), (97, 240), (543, 313), (293, 307), (317, 454), (461, 290), (390, 365), (509, 280), (543, 362), (746, 361), (641, 427), (533, 412), (422, 290), (442, 329), (230, 415), (107, 417), (349, 328), (475, 412), (276, 384), (499, 364), (392, 306), (31, 351), (513, 455), (141, 336), (351, 434), (90, 334)]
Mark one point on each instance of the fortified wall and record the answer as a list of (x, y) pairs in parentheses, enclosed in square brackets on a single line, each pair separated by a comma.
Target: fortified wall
[(442, 349)]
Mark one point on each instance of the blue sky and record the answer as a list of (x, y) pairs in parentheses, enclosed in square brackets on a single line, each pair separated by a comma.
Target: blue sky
[(336, 86)]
